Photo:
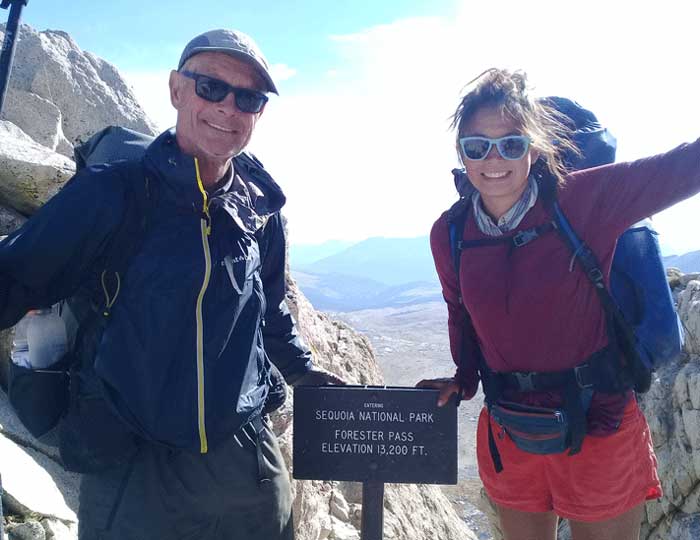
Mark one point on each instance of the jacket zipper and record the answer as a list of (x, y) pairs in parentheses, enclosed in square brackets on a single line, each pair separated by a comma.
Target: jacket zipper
[(205, 227)]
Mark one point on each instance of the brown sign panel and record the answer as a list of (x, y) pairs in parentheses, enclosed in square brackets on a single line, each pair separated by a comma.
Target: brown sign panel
[(374, 434)]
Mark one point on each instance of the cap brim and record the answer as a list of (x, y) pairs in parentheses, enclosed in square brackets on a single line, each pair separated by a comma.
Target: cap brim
[(240, 56)]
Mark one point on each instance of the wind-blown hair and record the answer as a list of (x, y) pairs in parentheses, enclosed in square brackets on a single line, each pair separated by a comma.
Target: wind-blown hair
[(544, 125)]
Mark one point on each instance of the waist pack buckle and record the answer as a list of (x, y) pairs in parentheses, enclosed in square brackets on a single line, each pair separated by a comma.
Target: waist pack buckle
[(525, 380), (583, 376)]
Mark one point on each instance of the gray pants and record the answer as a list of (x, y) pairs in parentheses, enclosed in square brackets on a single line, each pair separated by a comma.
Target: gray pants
[(226, 494)]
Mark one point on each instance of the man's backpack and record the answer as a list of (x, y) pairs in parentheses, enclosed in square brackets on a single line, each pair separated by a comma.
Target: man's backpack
[(642, 322), (69, 394)]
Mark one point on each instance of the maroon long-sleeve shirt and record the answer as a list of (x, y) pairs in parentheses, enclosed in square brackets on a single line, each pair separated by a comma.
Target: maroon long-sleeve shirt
[(529, 311)]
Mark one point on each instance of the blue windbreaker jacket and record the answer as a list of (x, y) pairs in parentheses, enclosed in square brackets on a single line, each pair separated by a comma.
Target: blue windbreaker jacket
[(183, 359)]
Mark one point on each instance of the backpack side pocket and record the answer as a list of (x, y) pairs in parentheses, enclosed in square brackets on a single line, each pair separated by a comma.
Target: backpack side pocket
[(39, 396)]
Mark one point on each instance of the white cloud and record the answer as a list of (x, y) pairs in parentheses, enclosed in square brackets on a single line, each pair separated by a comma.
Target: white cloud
[(369, 151), (366, 150), (281, 72), (151, 89)]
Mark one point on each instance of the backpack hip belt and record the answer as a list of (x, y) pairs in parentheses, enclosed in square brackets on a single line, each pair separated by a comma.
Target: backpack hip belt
[(542, 430)]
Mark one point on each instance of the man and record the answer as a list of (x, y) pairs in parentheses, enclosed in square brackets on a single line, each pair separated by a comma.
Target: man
[(179, 356)]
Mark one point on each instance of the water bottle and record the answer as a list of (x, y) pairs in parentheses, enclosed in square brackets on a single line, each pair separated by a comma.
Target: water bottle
[(20, 350), (46, 338)]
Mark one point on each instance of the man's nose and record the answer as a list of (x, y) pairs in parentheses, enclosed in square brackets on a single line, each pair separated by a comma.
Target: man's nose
[(228, 104)]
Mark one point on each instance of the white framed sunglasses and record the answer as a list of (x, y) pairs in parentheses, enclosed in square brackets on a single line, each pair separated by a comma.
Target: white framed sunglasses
[(511, 147)]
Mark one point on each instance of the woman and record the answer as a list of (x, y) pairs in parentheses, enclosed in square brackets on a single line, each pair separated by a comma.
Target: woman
[(529, 309)]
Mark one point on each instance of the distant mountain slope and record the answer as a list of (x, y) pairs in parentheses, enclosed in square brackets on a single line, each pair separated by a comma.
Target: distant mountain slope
[(690, 262), (304, 254), (338, 292), (394, 261)]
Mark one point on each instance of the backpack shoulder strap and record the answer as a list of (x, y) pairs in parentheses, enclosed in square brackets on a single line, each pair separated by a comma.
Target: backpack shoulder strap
[(620, 332), (139, 195), (456, 220)]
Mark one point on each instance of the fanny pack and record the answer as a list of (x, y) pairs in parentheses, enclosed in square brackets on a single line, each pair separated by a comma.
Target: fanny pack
[(537, 430)]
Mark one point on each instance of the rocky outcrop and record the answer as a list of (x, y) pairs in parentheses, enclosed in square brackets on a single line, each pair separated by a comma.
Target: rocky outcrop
[(57, 95), (672, 408), (60, 94), (30, 174)]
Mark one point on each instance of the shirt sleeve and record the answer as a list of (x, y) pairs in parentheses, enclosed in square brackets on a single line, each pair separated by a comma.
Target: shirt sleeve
[(283, 344), (463, 341)]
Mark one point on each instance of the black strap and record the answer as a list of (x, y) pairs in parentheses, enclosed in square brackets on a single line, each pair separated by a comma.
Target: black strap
[(620, 333), (517, 240), (456, 220), (596, 373), (128, 238), (493, 450)]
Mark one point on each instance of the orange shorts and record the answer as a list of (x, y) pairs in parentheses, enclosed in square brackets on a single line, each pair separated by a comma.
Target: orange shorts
[(609, 476)]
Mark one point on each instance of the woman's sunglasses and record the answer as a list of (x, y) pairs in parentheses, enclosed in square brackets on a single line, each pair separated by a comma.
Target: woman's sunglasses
[(214, 90), (510, 147)]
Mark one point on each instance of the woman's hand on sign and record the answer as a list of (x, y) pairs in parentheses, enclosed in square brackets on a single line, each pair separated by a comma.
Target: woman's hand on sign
[(447, 387)]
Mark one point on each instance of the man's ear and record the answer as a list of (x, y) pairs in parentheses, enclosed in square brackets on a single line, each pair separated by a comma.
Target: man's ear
[(176, 89)]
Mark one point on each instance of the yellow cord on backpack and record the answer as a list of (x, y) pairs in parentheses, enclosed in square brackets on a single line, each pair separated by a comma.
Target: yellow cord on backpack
[(109, 302)]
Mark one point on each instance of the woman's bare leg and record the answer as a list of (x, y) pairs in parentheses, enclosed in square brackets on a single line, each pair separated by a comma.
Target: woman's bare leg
[(623, 527), (517, 525)]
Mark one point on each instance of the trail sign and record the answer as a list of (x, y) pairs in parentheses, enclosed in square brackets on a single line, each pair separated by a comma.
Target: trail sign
[(374, 434)]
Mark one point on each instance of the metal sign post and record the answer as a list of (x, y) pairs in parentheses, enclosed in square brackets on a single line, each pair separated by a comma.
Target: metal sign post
[(372, 511), (8, 46), (374, 435)]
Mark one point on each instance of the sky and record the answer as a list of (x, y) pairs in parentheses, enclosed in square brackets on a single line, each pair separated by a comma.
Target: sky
[(359, 137)]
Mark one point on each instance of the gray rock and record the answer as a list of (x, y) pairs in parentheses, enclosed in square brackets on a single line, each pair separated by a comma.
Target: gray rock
[(89, 92), (30, 174), (29, 530), (672, 408), (33, 480), (686, 527), (689, 312), (5, 348), (687, 278), (38, 118), (57, 530), (10, 220)]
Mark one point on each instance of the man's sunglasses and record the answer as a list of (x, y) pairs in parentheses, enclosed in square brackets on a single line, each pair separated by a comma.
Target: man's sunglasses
[(510, 147), (214, 90)]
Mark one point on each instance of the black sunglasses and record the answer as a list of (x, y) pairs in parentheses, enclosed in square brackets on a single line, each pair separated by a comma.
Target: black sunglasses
[(215, 90)]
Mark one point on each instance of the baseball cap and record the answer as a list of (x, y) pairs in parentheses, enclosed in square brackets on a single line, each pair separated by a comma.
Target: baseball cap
[(233, 43)]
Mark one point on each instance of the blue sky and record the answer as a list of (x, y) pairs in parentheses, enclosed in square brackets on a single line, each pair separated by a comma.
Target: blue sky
[(139, 35), (359, 137)]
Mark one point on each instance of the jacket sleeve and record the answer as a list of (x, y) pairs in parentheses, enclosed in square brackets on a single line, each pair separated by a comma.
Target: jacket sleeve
[(47, 258), (464, 344), (283, 344)]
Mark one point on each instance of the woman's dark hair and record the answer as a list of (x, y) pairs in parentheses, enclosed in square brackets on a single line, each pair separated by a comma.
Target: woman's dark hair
[(544, 125)]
